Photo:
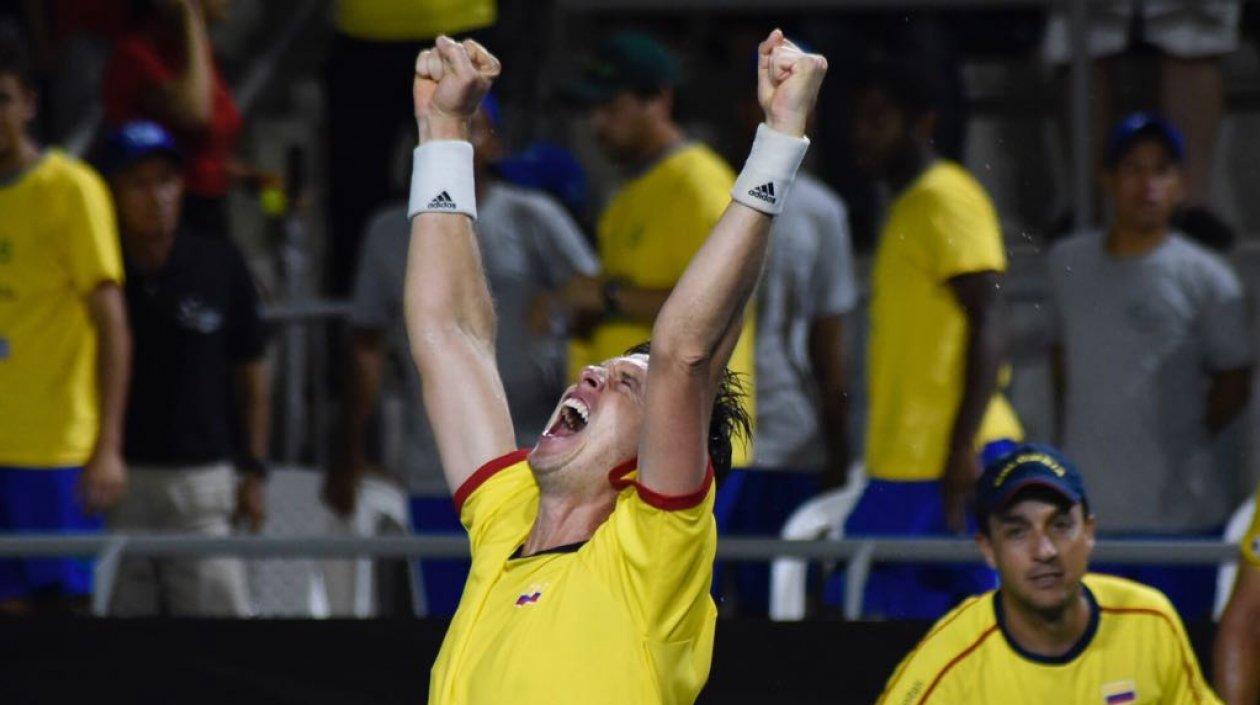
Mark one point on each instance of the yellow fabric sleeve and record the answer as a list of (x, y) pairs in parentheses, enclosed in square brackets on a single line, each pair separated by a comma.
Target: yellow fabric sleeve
[(661, 560), (93, 248), (962, 233)]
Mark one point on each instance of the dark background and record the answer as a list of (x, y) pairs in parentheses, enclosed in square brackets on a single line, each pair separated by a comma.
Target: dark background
[(278, 662)]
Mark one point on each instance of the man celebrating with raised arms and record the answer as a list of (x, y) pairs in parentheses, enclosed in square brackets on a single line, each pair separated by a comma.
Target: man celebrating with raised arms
[(591, 566)]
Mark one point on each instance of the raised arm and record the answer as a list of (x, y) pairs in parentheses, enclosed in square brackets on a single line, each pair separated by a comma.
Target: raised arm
[(450, 317), (698, 326)]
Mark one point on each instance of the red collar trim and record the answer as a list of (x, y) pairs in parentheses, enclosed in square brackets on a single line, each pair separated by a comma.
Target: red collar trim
[(670, 503), (485, 472)]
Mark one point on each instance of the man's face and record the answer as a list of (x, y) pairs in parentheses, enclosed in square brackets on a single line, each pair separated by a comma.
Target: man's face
[(1040, 550), (17, 110), (598, 421), (880, 132), (148, 195), (1145, 186), (620, 125)]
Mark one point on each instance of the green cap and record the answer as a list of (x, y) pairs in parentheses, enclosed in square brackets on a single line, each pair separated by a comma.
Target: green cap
[(627, 61)]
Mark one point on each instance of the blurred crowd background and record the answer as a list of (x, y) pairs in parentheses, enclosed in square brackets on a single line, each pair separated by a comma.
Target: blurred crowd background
[(223, 185)]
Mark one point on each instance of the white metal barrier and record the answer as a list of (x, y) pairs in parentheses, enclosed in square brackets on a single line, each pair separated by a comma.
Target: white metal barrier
[(110, 549)]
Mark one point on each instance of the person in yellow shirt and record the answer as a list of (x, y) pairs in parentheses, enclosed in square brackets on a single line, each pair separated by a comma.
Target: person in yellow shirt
[(936, 347), (592, 553), (374, 43), (676, 191), (1053, 633), (1236, 657), (64, 348)]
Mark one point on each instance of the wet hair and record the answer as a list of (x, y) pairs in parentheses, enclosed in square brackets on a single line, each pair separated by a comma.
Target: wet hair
[(1039, 493), (730, 417), (910, 84), (14, 58)]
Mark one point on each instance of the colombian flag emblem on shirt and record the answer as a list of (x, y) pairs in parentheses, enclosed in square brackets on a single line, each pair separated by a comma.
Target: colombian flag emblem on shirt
[(1119, 692)]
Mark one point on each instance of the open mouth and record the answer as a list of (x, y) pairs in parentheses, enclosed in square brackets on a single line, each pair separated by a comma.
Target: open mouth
[(571, 418)]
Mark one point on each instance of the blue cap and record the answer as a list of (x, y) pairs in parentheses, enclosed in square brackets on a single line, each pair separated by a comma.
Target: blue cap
[(1144, 124), (551, 168), (1026, 465), (494, 113), (134, 142)]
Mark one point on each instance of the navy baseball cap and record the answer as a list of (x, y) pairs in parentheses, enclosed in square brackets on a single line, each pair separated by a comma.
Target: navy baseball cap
[(626, 61), (1022, 466), (134, 142), (1141, 125)]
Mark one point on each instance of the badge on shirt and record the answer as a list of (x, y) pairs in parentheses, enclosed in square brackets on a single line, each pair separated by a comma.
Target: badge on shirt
[(531, 596), (194, 314), (4, 348), (1119, 692)]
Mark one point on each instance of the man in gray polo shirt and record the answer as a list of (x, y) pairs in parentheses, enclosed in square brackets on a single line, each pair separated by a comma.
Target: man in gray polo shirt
[(1154, 359), (529, 246), (802, 444)]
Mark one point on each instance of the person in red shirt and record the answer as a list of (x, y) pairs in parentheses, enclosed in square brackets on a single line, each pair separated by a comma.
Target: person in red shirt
[(164, 70)]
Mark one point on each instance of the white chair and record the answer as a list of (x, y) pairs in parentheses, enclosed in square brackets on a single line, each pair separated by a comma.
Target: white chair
[(822, 516), (307, 587), (350, 584), (1228, 571), (290, 587)]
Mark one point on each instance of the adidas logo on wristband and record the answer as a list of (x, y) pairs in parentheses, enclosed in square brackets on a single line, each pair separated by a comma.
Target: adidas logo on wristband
[(442, 200), (764, 192)]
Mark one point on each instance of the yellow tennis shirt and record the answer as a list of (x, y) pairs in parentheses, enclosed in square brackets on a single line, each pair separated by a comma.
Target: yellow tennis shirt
[(941, 227), (625, 617), (1135, 651), (401, 20), (58, 242), (647, 236), (1251, 541)]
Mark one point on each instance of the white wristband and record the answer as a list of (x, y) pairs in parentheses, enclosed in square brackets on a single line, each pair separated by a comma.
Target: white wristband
[(770, 170), (442, 179)]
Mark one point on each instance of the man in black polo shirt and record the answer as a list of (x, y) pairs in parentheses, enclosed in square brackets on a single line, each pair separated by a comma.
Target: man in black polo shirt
[(199, 389)]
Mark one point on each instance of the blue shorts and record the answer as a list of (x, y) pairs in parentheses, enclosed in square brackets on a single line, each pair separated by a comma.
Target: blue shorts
[(754, 502), (907, 591), (1191, 588), (44, 501), (441, 579)]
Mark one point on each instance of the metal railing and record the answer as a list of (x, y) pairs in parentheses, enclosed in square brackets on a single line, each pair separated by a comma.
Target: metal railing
[(858, 553)]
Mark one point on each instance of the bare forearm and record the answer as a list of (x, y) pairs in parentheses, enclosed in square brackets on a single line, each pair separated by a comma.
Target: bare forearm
[(826, 347), (709, 300), (190, 94), (984, 355), (367, 358), (113, 365), (1227, 397), (253, 391), (1058, 387), (1236, 655), (639, 304)]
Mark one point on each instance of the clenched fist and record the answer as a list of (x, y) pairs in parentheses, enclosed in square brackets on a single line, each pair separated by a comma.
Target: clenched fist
[(450, 81), (788, 80)]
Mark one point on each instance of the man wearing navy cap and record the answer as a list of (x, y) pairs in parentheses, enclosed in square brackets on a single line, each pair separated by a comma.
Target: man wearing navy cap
[(1053, 632), (198, 407), (1154, 359)]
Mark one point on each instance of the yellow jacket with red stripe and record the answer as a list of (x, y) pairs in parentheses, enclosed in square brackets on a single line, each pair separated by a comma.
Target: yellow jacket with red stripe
[(625, 617), (1135, 651)]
